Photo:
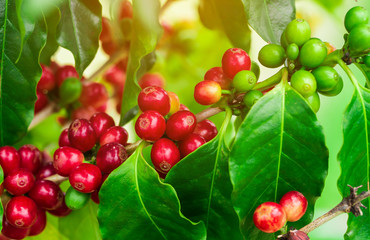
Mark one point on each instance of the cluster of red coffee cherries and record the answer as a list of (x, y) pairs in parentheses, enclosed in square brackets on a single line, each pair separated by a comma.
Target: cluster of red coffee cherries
[(28, 192), (62, 86), (170, 126), (270, 217)]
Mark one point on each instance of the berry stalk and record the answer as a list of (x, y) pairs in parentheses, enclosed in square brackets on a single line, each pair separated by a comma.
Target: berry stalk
[(269, 82)]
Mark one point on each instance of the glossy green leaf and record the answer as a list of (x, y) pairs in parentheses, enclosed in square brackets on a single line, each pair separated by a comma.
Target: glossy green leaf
[(135, 204), (228, 16), (269, 18), (354, 158), (18, 78), (279, 147), (79, 29), (145, 33), (51, 231), (51, 46), (203, 185), (81, 224)]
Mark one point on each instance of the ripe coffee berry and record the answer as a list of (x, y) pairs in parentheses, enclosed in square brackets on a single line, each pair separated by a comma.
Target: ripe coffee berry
[(164, 155), (45, 171), (81, 135), (216, 74), (30, 157), (66, 159), (85, 178), (294, 205), (47, 81), (19, 181), (12, 232), (207, 92), (154, 98), (114, 134), (101, 122), (63, 139), (62, 210), (206, 129), (39, 224), (9, 159), (93, 94), (46, 194), (269, 217), (115, 76), (21, 212), (235, 60), (65, 72), (41, 102), (151, 79), (190, 144), (150, 126), (180, 125), (110, 156)]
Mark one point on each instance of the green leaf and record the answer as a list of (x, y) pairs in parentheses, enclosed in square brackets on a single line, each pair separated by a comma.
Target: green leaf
[(203, 184), (79, 29), (269, 18), (228, 16), (51, 231), (354, 158), (51, 46), (135, 204), (18, 78), (279, 147), (81, 224), (145, 33)]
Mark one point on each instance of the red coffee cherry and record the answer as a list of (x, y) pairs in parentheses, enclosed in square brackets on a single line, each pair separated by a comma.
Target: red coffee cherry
[(154, 98), (93, 94), (114, 134), (95, 194), (12, 232), (151, 80), (164, 155), (105, 35), (30, 157), (45, 171), (9, 159), (180, 125), (19, 181), (47, 80), (41, 102), (39, 224), (81, 135), (216, 74), (65, 72), (115, 76), (66, 159), (83, 112), (46, 194), (183, 107), (101, 121), (125, 10), (207, 92), (150, 126), (294, 205), (206, 129), (85, 178), (21, 212), (235, 60), (62, 210), (110, 156), (269, 217), (63, 139), (190, 144)]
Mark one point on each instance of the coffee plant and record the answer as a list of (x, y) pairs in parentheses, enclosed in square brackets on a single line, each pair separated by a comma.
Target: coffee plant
[(180, 132)]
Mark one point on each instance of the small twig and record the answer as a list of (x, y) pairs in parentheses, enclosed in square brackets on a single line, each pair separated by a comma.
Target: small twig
[(130, 148), (43, 114), (56, 178), (209, 112)]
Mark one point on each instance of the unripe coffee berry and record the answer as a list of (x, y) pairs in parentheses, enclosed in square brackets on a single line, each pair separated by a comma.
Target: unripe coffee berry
[(21, 212), (65, 72), (75, 199), (46, 194), (19, 182), (81, 135), (114, 134), (110, 156), (66, 159), (70, 90), (294, 205), (164, 155), (154, 98), (85, 178), (190, 144), (101, 121), (304, 82), (251, 97), (244, 81), (272, 55), (180, 125), (269, 217), (175, 103), (206, 129), (150, 126), (235, 60), (298, 31), (207, 92), (30, 157), (9, 159)]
